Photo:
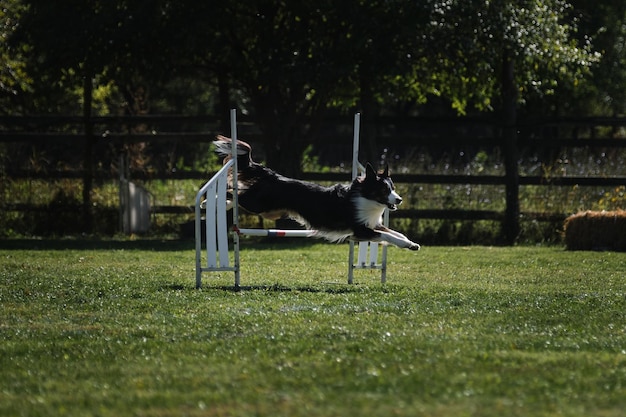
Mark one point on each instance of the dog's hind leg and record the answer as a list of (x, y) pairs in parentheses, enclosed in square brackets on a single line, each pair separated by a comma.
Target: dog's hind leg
[(229, 204)]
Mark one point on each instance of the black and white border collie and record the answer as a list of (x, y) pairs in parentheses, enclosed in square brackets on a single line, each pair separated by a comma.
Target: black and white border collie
[(338, 212)]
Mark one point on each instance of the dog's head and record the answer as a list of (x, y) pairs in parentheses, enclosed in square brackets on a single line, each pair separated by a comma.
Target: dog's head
[(380, 188)]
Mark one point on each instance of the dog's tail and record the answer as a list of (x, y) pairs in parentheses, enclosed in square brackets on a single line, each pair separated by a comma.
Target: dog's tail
[(223, 147)]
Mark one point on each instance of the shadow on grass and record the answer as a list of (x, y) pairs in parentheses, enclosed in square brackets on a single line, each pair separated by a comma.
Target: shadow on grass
[(95, 244), (278, 288), (339, 289)]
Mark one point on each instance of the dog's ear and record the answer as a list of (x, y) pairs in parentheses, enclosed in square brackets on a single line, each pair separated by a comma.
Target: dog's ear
[(385, 173), (370, 173)]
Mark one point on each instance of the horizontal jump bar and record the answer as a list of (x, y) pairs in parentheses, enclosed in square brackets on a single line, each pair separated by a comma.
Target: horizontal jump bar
[(276, 232)]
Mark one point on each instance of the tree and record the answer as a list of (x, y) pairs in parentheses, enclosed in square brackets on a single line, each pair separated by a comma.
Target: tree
[(296, 60), (87, 39), (14, 79), (291, 60), (604, 93), (499, 53), (470, 41), (284, 59)]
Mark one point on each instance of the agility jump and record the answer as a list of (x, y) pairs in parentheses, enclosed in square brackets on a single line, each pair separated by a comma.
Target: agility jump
[(212, 200)]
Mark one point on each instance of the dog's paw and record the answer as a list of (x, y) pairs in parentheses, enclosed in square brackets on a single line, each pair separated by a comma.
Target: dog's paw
[(414, 246)]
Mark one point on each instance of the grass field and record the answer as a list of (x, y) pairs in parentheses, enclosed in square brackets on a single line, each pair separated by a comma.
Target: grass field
[(116, 328)]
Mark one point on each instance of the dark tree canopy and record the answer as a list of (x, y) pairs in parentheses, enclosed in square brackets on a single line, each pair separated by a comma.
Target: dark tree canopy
[(285, 61)]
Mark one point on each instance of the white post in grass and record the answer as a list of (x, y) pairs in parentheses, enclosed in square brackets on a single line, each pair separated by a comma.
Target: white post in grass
[(233, 134), (355, 173)]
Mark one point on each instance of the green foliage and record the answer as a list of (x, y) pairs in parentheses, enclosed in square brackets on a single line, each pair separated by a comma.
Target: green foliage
[(296, 59), (614, 199), (14, 77), (116, 328), (473, 40), (311, 163), (605, 23)]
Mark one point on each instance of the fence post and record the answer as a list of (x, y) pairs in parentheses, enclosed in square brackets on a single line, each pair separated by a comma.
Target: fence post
[(88, 152), (511, 225)]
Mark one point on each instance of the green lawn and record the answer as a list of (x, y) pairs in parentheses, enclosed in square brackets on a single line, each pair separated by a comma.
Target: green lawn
[(117, 328)]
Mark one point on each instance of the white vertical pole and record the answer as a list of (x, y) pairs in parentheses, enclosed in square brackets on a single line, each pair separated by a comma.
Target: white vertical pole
[(355, 173), (222, 228), (362, 258), (351, 263), (211, 227), (198, 233), (355, 145), (383, 261), (233, 134), (373, 259)]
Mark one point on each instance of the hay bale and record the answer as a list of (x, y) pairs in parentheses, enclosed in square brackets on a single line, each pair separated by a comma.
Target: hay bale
[(596, 230)]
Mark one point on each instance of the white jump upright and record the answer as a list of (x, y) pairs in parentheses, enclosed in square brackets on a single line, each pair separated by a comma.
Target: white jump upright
[(212, 201), (212, 198), (367, 257)]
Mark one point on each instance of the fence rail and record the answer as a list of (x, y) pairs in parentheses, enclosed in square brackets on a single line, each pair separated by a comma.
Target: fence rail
[(437, 214), (339, 177)]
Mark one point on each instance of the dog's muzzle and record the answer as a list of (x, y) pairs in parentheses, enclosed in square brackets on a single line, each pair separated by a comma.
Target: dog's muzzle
[(394, 203)]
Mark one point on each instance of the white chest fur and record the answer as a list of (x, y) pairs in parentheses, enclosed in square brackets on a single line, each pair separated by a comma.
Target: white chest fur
[(368, 212)]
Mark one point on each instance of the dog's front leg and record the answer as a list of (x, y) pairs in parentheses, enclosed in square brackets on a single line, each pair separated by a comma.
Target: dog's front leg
[(383, 234), (396, 238)]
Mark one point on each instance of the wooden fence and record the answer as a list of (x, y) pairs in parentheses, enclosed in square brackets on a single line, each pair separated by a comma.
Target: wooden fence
[(554, 134)]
